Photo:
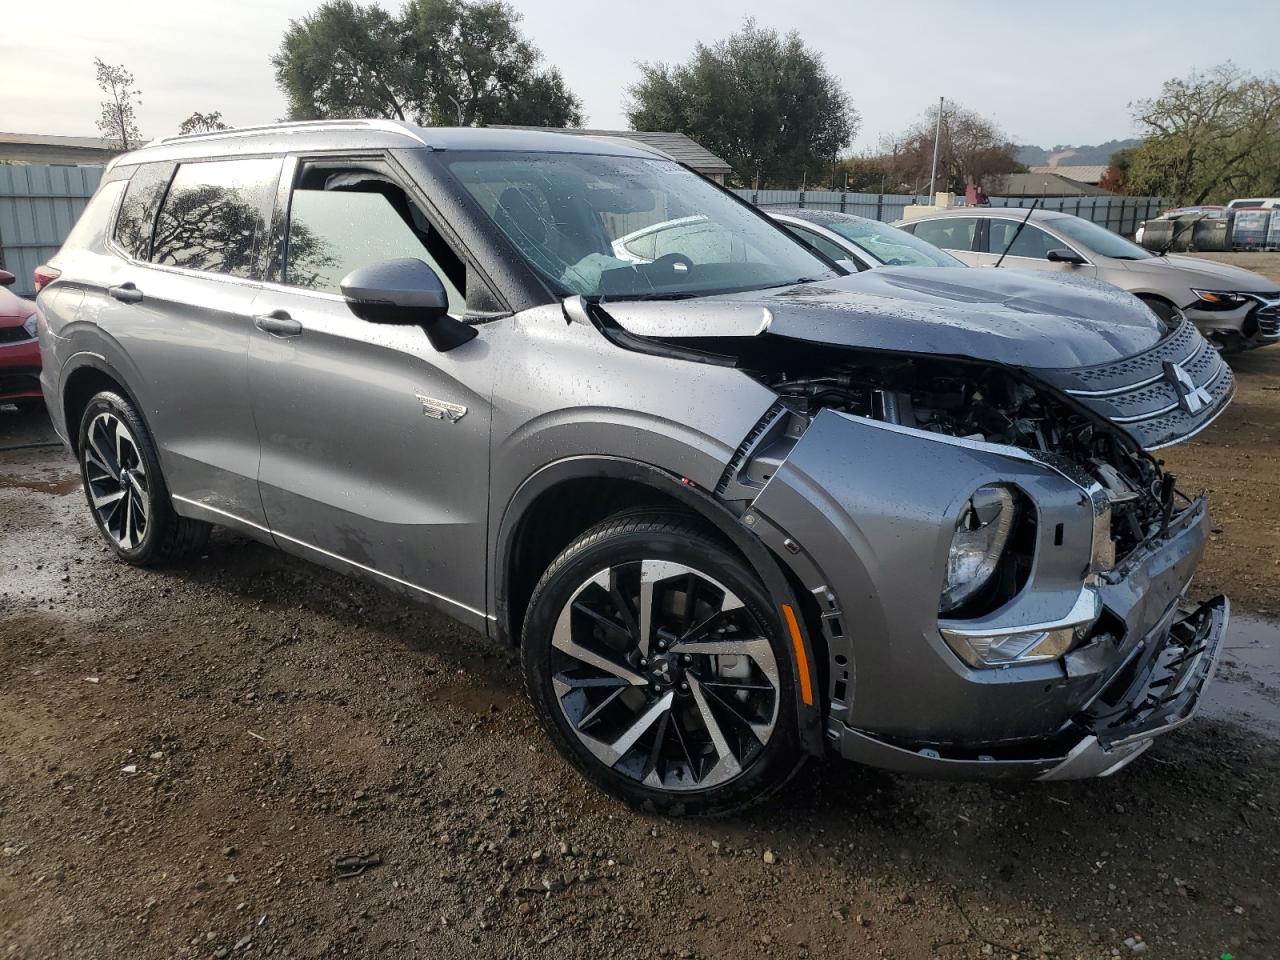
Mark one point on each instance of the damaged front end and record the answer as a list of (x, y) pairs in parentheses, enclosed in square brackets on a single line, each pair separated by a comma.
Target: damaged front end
[(999, 566), (998, 563)]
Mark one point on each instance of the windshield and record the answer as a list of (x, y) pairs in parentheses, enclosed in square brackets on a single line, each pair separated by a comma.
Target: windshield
[(1100, 240), (891, 246), (631, 227)]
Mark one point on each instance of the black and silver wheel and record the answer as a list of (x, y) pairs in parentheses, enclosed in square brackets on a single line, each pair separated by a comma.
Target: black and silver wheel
[(125, 489), (654, 660)]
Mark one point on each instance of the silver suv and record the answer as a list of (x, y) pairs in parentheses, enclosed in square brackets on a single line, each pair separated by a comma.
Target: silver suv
[(735, 507)]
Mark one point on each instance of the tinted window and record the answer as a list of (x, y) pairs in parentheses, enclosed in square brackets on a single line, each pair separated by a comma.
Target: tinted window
[(625, 227), (1100, 240), (215, 215), (91, 228), (138, 212), (821, 244), (332, 232), (1032, 242), (949, 233)]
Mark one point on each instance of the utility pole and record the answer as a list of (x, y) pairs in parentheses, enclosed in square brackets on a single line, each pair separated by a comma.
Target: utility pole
[(937, 135), (461, 124)]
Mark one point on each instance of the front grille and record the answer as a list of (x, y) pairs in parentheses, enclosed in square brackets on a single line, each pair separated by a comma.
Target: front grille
[(14, 334), (1268, 321), (1161, 396)]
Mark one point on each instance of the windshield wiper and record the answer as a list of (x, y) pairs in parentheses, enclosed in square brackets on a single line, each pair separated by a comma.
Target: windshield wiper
[(670, 295)]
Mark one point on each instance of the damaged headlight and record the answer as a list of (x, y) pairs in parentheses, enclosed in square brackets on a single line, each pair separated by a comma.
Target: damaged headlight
[(1032, 644), (982, 533)]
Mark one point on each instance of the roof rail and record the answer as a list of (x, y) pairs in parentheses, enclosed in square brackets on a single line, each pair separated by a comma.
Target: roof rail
[(387, 126)]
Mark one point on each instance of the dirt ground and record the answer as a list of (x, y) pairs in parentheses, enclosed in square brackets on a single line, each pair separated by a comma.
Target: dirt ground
[(184, 752)]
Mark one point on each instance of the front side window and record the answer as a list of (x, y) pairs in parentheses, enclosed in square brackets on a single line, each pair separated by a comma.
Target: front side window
[(949, 233), (890, 246), (1097, 239), (631, 227), (215, 215), (341, 221), (138, 211), (1031, 242)]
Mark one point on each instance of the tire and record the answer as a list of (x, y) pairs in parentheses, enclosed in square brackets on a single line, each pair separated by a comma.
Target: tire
[(125, 490), (654, 757)]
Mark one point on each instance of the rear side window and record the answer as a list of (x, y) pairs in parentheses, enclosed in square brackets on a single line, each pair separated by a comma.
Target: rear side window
[(216, 214), (949, 233), (138, 212)]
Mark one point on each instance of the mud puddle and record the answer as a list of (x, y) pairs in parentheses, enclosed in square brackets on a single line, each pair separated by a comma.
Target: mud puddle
[(58, 485), (1247, 687)]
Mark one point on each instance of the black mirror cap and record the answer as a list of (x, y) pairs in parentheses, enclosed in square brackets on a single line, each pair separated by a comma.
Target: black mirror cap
[(405, 292), (1064, 255)]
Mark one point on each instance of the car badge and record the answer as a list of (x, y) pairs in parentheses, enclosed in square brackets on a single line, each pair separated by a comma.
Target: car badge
[(442, 409), (1191, 398)]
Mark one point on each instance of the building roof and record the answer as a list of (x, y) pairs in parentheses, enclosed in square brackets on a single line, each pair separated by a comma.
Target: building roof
[(48, 140), (1081, 173), (676, 145), (47, 148), (1043, 184)]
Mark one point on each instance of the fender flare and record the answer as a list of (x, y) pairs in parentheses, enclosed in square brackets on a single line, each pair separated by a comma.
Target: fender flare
[(93, 361), (757, 554)]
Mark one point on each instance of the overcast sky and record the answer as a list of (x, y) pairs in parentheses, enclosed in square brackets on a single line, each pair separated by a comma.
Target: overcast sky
[(1048, 73)]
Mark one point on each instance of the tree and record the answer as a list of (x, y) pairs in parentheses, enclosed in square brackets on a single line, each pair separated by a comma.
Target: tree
[(118, 124), (1209, 136), (203, 122), (765, 103), (435, 62), (971, 149)]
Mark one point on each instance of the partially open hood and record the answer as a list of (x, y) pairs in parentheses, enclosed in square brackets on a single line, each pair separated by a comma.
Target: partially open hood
[(1011, 317)]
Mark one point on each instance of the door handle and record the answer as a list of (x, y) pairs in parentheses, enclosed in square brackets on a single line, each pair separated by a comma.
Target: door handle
[(125, 293), (278, 323)]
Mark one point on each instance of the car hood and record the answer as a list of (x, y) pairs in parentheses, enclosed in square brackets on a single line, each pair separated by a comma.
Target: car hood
[(1194, 272), (1011, 317)]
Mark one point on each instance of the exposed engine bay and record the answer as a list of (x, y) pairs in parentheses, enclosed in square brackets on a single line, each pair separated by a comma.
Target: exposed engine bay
[(986, 403)]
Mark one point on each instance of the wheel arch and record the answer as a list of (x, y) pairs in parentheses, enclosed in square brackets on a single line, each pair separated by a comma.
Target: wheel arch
[(562, 499), (84, 376)]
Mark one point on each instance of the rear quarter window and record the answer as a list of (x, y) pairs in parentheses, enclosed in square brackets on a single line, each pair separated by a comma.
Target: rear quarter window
[(138, 212), (90, 231), (216, 214), (949, 233)]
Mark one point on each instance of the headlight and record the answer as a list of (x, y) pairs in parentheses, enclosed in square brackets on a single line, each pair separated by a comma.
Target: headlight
[(982, 533), (1220, 299), (29, 325)]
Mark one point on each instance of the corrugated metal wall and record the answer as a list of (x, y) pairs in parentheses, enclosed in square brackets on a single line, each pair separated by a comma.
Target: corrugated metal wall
[(38, 206), (1118, 214)]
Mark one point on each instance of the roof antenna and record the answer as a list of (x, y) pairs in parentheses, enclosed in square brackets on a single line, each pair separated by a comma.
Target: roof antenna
[(1014, 238)]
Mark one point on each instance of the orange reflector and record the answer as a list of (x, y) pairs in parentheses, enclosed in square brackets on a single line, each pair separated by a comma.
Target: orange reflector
[(802, 660)]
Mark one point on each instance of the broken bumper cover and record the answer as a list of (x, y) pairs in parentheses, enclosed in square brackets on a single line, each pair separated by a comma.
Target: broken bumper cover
[(1158, 687)]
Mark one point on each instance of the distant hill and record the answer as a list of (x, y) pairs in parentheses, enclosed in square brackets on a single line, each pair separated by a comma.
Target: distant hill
[(1034, 156)]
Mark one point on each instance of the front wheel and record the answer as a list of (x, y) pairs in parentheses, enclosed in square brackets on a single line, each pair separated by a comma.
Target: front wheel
[(656, 664), (125, 489)]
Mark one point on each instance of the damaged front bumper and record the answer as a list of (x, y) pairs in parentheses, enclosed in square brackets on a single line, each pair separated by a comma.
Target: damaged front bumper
[(1157, 689), (862, 512)]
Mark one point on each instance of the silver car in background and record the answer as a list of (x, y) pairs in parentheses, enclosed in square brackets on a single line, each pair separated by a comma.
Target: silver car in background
[(735, 506), (863, 243), (1237, 309)]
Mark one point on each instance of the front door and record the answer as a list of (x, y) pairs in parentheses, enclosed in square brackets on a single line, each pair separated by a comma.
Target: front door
[(375, 447)]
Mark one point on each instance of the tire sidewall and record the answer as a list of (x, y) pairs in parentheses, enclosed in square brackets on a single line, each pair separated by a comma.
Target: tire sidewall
[(118, 406), (580, 562)]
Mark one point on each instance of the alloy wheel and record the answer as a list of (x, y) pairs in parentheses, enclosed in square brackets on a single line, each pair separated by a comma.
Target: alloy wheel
[(665, 675), (116, 480)]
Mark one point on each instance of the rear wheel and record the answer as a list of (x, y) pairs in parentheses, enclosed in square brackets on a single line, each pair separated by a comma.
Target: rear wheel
[(655, 662), (125, 489)]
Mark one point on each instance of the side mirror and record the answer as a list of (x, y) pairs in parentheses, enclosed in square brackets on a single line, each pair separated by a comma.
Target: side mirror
[(1064, 255), (6, 278), (405, 292)]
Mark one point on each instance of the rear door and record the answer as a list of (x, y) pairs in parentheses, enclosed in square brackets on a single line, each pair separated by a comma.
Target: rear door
[(179, 306), (375, 454), (957, 235)]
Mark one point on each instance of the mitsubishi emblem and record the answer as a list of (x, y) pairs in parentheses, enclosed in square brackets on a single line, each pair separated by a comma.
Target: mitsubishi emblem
[(1191, 398)]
